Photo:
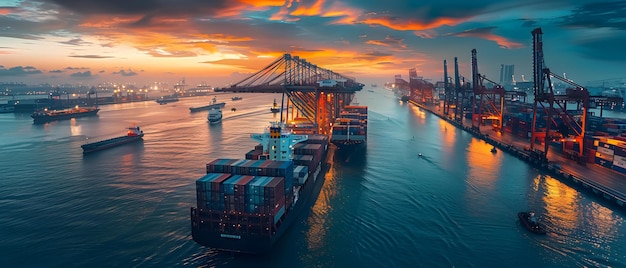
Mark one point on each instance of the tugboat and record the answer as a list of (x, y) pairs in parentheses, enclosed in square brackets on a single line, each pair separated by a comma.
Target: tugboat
[(275, 108), (133, 134), (529, 221)]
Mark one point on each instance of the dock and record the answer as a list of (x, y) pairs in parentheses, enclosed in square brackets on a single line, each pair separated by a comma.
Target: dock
[(605, 183)]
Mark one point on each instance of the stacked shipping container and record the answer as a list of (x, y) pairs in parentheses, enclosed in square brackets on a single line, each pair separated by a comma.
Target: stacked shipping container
[(351, 124)]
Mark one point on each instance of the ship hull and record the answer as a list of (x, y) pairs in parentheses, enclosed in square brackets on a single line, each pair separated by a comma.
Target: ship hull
[(110, 143), (258, 244), (46, 117), (207, 107), (349, 145)]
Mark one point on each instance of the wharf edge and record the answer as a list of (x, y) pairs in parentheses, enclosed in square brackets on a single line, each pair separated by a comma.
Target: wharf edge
[(597, 188)]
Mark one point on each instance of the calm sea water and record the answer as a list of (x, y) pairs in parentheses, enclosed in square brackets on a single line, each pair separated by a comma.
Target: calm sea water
[(455, 206)]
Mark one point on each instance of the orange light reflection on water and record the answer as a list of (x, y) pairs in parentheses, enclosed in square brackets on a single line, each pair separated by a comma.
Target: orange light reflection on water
[(560, 202), (483, 171), (447, 137), (484, 165), (564, 212), (419, 112), (319, 213), (75, 129)]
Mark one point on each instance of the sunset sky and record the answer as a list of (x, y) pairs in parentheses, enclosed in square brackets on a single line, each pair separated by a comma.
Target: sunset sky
[(224, 41)]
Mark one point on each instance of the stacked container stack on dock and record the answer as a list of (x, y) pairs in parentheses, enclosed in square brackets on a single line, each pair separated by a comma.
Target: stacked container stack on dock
[(610, 153), (245, 205)]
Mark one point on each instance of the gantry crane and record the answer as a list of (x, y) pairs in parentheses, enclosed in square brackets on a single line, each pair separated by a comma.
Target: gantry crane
[(487, 104), (553, 108)]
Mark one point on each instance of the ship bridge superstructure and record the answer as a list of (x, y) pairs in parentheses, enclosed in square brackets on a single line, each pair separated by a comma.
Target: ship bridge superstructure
[(278, 141)]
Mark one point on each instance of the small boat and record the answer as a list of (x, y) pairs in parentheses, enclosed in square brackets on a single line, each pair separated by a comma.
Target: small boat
[(133, 134), (215, 116), (46, 115), (529, 221), (236, 98), (275, 108)]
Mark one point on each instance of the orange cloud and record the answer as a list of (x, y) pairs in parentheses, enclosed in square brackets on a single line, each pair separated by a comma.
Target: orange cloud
[(312, 10), (6, 10), (263, 3), (501, 41), (347, 15), (411, 25)]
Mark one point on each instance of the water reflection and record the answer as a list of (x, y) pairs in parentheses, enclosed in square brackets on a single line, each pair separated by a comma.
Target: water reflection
[(561, 202), (571, 225), (316, 234), (484, 166), (419, 113), (75, 129)]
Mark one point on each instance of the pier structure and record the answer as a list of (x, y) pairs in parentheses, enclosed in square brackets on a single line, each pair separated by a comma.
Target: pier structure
[(311, 95), (551, 122)]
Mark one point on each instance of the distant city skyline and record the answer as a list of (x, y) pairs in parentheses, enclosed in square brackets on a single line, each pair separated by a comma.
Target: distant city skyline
[(221, 42)]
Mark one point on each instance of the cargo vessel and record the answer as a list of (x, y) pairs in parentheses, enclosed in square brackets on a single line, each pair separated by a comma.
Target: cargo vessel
[(133, 134), (213, 105), (246, 205), (167, 99), (350, 128), (46, 115)]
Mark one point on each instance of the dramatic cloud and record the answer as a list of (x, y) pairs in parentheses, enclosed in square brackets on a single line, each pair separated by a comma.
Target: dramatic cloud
[(19, 71), (486, 33), (126, 73), (85, 74), (75, 42), (370, 37)]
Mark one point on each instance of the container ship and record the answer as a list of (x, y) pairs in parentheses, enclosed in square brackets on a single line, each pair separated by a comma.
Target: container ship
[(246, 205), (134, 134), (350, 128), (45, 115)]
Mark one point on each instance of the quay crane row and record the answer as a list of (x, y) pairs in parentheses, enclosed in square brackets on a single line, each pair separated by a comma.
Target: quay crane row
[(317, 95)]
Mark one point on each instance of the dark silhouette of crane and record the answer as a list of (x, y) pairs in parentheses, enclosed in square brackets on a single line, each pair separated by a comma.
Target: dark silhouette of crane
[(317, 95), (551, 118)]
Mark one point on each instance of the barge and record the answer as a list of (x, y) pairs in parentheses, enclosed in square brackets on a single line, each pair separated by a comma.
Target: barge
[(46, 115), (134, 134)]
